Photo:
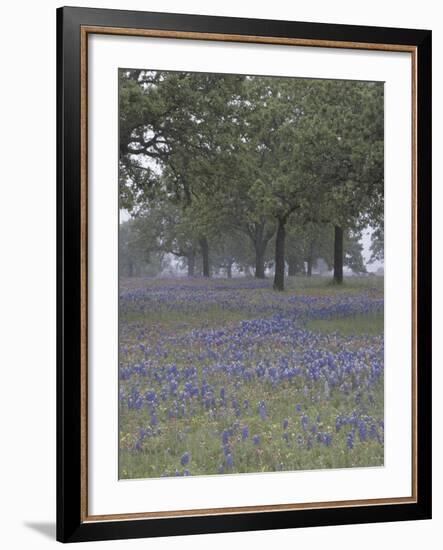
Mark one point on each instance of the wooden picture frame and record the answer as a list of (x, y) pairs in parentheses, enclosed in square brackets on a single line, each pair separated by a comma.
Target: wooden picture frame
[(74, 523)]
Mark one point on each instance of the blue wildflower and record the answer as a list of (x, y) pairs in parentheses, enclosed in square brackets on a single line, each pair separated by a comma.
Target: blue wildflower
[(262, 410), (225, 437), (229, 462), (350, 440), (338, 423), (184, 459)]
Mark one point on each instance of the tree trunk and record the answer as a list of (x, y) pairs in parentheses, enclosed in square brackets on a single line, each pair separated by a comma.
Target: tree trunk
[(191, 264), (260, 249), (260, 261), (338, 255), (229, 270), (204, 246), (309, 266), (279, 276), (292, 267)]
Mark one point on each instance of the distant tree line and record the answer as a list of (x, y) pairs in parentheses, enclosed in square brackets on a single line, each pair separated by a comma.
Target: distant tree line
[(225, 171)]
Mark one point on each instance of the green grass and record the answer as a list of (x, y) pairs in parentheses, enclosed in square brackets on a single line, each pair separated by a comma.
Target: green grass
[(183, 320), (325, 286), (200, 437), (199, 431), (371, 325)]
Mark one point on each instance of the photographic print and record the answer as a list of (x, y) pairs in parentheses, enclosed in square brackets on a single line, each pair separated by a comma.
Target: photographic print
[(226, 298), (251, 283)]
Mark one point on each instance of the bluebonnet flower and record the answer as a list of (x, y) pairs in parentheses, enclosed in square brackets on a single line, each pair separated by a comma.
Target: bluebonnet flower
[(338, 423), (184, 459), (350, 440), (229, 462), (262, 410), (214, 366)]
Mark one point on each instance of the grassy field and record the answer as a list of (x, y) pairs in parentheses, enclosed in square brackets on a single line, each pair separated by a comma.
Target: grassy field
[(227, 376), (369, 324)]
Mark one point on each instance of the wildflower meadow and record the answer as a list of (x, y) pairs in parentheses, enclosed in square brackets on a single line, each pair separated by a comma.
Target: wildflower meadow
[(226, 376)]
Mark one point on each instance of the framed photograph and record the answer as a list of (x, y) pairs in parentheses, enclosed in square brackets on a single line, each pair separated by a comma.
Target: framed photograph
[(244, 274)]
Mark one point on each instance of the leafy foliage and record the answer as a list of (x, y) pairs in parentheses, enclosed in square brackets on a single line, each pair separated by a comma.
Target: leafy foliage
[(265, 160)]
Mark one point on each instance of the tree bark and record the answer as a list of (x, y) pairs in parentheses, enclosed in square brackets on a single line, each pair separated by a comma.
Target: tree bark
[(260, 242), (292, 267), (204, 247), (229, 270), (309, 266), (191, 264), (260, 260), (338, 255), (279, 276)]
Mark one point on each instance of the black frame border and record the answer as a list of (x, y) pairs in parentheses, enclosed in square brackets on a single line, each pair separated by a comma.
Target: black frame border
[(70, 527)]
